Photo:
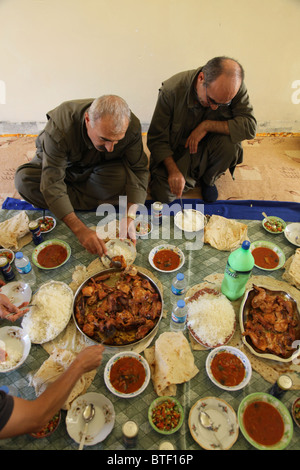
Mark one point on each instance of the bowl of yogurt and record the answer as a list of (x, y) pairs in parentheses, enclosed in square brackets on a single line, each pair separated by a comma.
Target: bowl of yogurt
[(189, 220)]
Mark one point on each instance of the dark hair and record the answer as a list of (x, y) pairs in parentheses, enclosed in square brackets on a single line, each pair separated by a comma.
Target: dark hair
[(216, 67)]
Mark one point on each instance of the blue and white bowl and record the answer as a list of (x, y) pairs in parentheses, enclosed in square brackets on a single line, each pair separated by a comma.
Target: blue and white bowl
[(236, 352)]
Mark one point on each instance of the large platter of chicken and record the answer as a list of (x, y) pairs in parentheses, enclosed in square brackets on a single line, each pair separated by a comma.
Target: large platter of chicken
[(270, 324), (118, 307)]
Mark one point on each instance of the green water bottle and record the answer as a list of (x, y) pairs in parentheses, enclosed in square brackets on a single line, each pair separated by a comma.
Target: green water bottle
[(237, 272)]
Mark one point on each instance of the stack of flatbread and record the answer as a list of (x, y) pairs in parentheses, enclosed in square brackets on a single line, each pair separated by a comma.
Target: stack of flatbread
[(14, 232), (292, 270), (224, 234), (171, 362), (52, 368)]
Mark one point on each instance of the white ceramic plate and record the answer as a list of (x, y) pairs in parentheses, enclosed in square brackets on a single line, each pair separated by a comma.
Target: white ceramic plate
[(189, 220), (224, 421), (110, 364), (273, 247), (17, 346), (119, 247), (101, 425), (42, 328), (158, 248), (236, 352), (17, 292), (292, 233)]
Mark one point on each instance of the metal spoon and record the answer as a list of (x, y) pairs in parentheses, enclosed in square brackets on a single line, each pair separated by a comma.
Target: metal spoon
[(206, 422), (181, 205), (87, 414), (117, 264)]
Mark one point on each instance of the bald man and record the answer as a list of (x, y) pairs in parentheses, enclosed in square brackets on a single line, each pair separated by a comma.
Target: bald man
[(89, 152), (201, 118)]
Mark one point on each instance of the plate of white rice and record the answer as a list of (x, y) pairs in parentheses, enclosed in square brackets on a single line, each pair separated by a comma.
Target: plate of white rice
[(211, 318), (50, 312)]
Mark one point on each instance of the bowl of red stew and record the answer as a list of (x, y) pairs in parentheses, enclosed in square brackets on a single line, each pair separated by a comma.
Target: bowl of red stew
[(265, 422), (166, 258), (166, 415), (127, 374), (267, 256), (228, 368), (51, 254)]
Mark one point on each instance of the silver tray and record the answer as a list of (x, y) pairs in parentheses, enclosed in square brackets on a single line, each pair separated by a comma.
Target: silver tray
[(244, 311), (124, 347)]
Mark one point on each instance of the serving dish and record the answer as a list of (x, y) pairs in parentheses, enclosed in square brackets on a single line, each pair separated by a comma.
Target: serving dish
[(225, 424), (47, 226), (17, 345), (210, 304), (9, 254), (129, 376), (101, 425), (166, 422), (292, 233), (270, 246), (53, 261), (18, 292), (190, 220), (169, 250), (244, 361), (280, 407), (111, 331), (50, 312), (117, 248), (273, 224), (250, 340)]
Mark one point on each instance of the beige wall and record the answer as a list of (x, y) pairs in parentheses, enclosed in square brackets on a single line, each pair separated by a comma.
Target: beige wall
[(55, 50)]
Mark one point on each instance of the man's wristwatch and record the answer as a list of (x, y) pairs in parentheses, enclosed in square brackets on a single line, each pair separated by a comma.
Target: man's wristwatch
[(131, 216)]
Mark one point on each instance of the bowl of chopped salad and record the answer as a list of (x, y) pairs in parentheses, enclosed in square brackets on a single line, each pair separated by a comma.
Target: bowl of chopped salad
[(296, 411), (273, 224), (49, 428), (46, 223), (166, 415)]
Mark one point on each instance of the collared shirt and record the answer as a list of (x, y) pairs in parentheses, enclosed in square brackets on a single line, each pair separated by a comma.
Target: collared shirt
[(178, 112), (64, 146)]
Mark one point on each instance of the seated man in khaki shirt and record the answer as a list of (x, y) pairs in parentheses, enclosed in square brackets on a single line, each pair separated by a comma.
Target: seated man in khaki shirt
[(195, 134), (90, 151)]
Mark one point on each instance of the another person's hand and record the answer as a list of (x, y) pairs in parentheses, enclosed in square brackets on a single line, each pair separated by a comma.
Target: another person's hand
[(90, 358), (176, 182), (7, 308), (91, 242), (127, 229)]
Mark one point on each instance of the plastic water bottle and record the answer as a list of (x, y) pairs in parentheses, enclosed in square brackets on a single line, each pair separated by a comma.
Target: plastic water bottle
[(24, 268), (179, 286), (178, 318), (237, 272)]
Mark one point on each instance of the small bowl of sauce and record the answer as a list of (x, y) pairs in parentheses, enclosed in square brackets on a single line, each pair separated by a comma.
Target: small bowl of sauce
[(166, 258), (267, 255)]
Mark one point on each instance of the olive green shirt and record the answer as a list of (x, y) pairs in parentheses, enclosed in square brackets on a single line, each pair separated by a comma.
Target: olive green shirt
[(178, 112), (64, 145)]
